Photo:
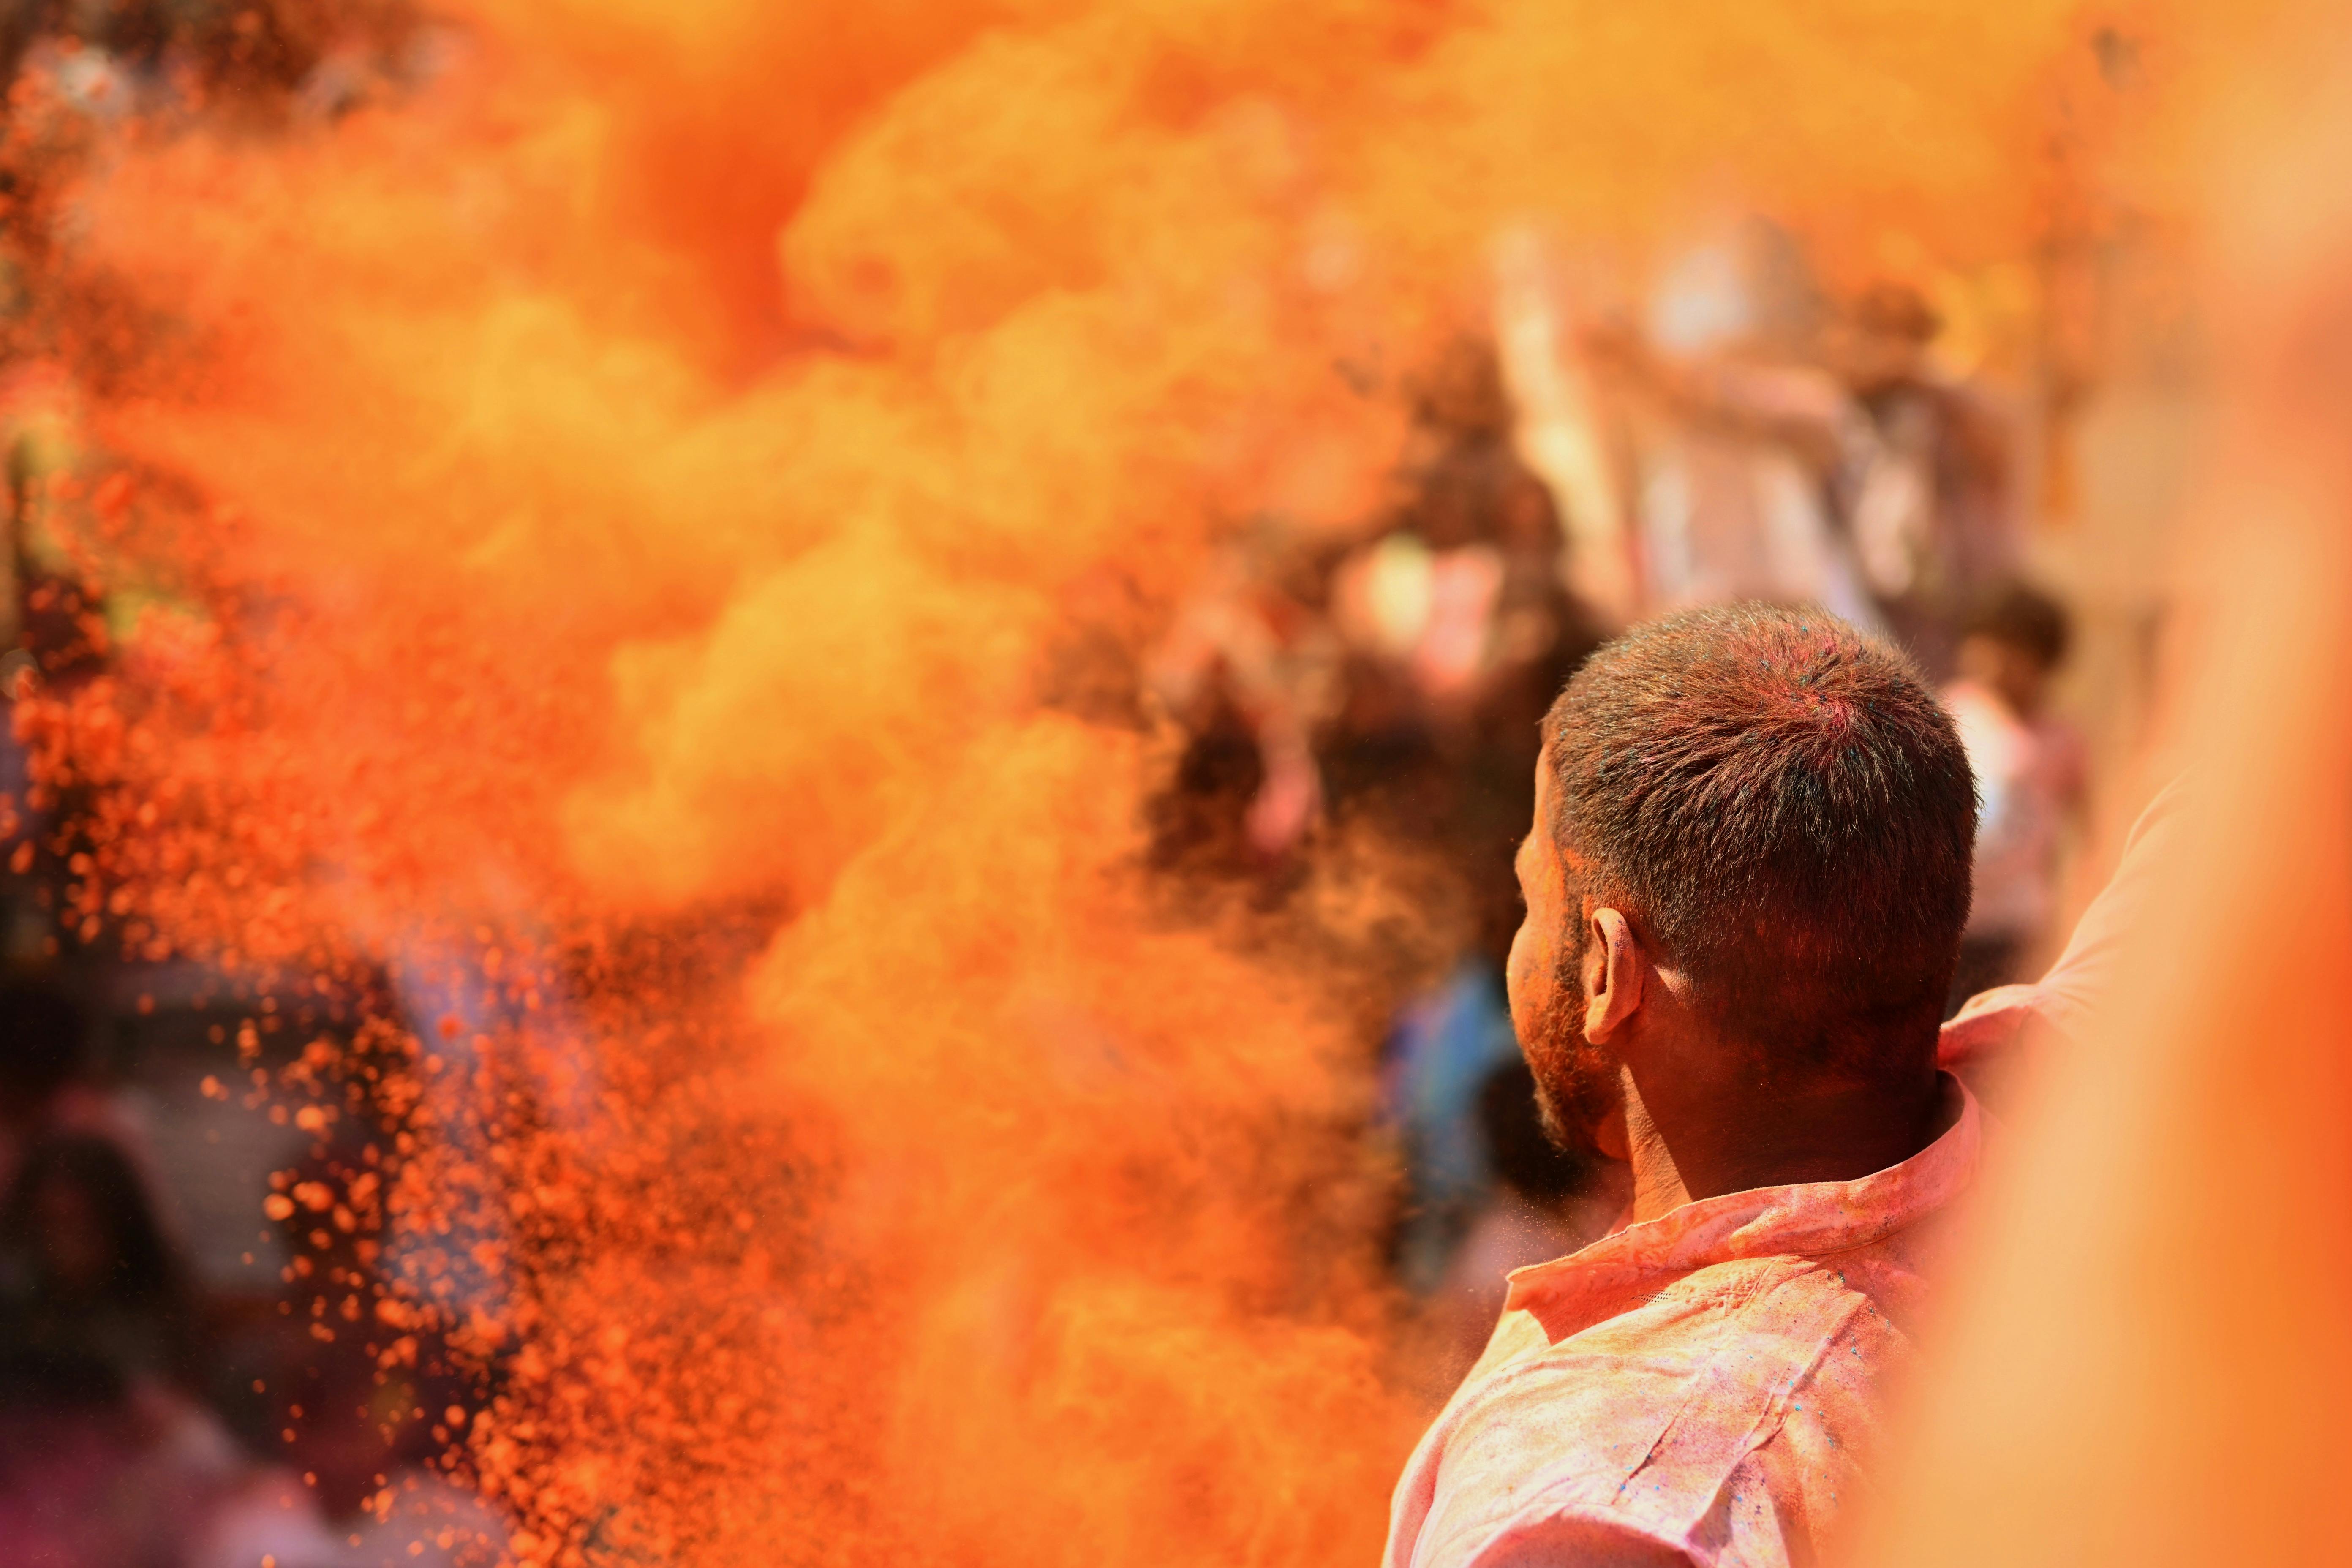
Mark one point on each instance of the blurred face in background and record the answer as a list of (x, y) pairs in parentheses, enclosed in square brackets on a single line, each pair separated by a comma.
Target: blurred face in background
[(1576, 1080), (2019, 675)]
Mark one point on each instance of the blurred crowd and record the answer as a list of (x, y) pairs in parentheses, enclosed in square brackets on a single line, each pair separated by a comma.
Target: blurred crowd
[(1747, 439), (168, 1393)]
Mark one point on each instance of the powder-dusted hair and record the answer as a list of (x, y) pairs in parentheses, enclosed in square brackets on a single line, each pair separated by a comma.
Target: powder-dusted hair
[(1782, 805)]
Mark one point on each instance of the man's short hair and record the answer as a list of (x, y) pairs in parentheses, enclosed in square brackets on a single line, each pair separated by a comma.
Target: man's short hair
[(1781, 804)]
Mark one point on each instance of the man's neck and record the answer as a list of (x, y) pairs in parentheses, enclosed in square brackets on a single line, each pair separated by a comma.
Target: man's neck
[(1731, 1143)]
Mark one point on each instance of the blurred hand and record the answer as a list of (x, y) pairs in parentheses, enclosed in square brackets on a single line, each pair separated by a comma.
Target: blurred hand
[(1285, 806)]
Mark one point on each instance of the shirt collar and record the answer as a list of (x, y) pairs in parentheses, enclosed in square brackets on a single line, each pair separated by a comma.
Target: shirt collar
[(1803, 1219)]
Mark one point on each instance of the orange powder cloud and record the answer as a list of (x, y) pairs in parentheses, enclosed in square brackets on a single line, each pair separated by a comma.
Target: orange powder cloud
[(624, 489)]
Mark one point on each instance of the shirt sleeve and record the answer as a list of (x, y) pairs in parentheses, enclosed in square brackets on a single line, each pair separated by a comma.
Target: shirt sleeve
[(2079, 980), (1993, 1023)]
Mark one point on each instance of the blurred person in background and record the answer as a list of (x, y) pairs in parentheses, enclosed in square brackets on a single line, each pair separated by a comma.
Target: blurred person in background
[(1402, 671), (1734, 430), (104, 1456), (1445, 1044), (1923, 476), (2031, 780), (1785, 450), (1250, 670), (1745, 886), (85, 1264), (1454, 615), (107, 1458)]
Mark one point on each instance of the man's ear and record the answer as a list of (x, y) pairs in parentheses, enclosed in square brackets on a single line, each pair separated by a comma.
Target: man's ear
[(1613, 973)]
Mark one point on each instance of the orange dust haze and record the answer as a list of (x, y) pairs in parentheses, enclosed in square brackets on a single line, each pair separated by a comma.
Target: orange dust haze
[(602, 530)]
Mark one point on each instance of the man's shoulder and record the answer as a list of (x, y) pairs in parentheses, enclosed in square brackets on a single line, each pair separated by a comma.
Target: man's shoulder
[(1736, 1388), (1748, 1320)]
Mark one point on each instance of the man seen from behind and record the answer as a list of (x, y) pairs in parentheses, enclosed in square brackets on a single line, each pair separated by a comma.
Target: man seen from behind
[(1745, 889)]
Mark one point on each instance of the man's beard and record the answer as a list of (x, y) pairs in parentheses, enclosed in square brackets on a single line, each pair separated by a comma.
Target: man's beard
[(1576, 1080)]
